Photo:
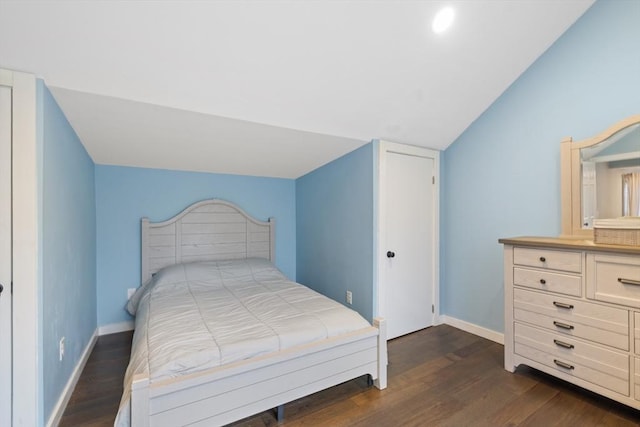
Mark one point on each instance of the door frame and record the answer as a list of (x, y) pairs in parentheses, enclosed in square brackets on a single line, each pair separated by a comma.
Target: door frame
[(26, 162), (380, 242), (6, 319)]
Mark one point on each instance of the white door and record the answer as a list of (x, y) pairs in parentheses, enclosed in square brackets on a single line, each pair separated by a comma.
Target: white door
[(5, 257), (408, 238)]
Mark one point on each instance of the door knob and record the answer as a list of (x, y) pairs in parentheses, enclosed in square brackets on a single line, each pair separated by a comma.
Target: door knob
[(390, 254)]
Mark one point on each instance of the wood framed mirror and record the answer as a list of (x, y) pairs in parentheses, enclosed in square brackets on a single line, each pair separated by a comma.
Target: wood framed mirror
[(614, 152)]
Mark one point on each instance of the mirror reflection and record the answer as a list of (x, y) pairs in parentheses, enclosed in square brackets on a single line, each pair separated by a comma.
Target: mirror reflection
[(611, 177)]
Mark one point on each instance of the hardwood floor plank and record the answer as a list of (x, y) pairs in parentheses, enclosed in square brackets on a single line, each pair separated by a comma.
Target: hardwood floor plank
[(523, 406), (440, 376)]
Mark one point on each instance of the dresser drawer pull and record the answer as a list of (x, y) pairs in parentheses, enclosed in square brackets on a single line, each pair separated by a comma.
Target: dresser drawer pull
[(563, 344), (562, 364), (542, 281), (563, 305), (562, 325), (542, 259), (628, 281)]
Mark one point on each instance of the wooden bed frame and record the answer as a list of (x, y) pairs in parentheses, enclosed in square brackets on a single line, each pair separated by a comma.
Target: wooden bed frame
[(213, 230)]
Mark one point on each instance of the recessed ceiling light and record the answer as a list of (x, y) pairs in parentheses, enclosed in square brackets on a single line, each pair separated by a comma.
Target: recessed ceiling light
[(443, 20)]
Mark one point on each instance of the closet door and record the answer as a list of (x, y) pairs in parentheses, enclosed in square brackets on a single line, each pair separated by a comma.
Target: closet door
[(408, 221), (5, 258)]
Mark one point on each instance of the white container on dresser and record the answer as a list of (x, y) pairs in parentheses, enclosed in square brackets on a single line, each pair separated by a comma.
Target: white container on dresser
[(572, 310)]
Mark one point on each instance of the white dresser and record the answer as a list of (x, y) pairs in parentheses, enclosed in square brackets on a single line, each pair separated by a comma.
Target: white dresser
[(572, 310)]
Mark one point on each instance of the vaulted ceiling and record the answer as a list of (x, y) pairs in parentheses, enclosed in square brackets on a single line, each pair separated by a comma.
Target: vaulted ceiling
[(272, 88)]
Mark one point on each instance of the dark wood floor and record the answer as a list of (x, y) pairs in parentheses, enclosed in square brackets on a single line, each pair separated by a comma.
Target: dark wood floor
[(95, 400), (439, 376)]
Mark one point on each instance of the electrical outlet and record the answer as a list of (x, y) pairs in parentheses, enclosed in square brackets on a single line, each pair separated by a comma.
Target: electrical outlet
[(349, 298), (61, 348), (130, 293)]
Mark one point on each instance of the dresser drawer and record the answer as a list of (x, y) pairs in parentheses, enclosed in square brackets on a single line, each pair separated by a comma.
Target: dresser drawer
[(576, 318), (597, 364), (610, 367), (548, 259), (614, 278), (545, 280)]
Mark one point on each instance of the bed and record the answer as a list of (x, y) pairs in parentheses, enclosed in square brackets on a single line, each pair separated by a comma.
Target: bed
[(211, 267)]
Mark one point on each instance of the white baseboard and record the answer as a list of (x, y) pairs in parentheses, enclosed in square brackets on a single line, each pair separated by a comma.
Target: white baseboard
[(473, 329), (61, 405), (114, 328)]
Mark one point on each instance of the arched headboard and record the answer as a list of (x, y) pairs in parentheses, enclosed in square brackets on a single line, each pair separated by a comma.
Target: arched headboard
[(207, 230)]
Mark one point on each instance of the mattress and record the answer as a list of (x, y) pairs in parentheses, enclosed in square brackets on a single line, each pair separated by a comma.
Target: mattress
[(196, 316)]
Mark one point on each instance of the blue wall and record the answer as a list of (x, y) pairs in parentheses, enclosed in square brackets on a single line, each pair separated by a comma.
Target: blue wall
[(126, 194), (68, 237), (502, 176), (335, 229)]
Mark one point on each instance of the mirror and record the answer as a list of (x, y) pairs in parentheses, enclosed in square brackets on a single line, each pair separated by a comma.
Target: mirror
[(600, 177), (610, 173)]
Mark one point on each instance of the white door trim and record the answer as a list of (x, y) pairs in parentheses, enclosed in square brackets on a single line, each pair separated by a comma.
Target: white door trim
[(6, 346), (380, 241), (26, 253)]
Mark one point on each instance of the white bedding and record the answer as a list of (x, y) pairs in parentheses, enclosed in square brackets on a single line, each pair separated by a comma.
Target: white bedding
[(191, 317)]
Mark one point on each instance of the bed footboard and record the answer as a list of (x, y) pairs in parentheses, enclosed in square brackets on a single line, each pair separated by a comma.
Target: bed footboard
[(140, 401), (230, 393), (381, 325)]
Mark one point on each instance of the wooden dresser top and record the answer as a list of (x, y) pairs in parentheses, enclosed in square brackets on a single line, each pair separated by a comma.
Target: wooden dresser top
[(565, 243)]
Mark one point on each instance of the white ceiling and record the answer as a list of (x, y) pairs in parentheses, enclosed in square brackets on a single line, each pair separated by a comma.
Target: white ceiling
[(272, 88)]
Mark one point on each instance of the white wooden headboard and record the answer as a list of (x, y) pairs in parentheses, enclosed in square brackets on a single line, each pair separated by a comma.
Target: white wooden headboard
[(207, 230)]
